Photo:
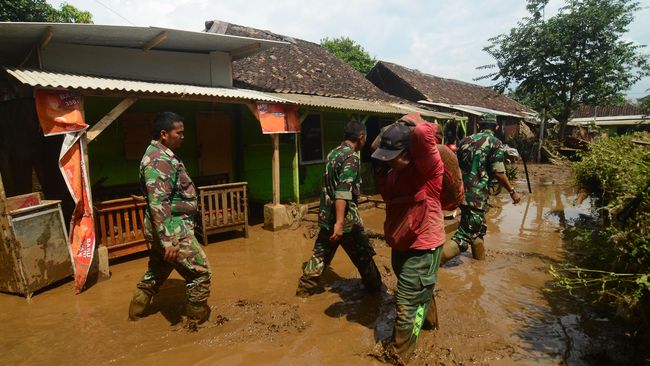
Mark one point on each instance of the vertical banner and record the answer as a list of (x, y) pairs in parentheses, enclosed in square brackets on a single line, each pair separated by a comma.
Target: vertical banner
[(278, 118), (60, 112)]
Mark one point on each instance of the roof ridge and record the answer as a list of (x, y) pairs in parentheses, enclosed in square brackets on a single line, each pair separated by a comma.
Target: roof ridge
[(435, 76)]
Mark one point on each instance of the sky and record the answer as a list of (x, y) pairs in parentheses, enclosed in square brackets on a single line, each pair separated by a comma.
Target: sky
[(443, 38)]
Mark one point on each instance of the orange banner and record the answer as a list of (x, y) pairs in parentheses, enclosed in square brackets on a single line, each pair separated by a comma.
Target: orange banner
[(278, 118), (61, 112)]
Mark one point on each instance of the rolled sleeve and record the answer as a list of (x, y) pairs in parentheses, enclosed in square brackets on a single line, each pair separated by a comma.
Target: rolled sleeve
[(347, 177), (498, 158)]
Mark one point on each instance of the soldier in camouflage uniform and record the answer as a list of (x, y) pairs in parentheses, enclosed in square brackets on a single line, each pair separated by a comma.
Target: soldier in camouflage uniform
[(169, 223), (480, 157), (339, 219)]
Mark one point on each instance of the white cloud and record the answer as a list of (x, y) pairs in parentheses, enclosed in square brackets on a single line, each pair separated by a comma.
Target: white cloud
[(443, 37)]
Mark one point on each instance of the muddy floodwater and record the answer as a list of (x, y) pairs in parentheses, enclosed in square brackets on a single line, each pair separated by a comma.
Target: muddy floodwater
[(493, 312)]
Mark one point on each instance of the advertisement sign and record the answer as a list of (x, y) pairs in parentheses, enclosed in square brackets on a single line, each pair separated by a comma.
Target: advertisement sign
[(61, 112), (278, 118)]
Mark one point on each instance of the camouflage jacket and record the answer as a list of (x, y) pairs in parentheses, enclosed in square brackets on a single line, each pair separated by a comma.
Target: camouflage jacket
[(170, 194), (341, 180), (479, 157)]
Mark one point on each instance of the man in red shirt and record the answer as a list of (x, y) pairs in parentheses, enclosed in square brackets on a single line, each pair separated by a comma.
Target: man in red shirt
[(410, 183)]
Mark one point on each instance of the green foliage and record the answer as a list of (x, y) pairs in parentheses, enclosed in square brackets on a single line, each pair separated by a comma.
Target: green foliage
[(578, 56), (350, 52), (41, 11), (70, 14), (613, 255)]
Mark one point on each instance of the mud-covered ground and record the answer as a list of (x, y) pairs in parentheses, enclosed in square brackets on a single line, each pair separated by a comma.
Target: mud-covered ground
[(494, 312)]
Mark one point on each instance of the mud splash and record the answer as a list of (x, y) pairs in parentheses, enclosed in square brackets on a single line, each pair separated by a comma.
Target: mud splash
[(493, 312)]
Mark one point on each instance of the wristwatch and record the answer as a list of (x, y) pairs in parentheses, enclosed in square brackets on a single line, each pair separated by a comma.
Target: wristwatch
[(512, 191)]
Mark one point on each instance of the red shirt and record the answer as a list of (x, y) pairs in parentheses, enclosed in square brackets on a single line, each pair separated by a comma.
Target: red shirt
[(414, 218)]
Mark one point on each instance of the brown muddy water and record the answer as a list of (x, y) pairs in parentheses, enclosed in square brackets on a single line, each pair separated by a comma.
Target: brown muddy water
[(494, 312)]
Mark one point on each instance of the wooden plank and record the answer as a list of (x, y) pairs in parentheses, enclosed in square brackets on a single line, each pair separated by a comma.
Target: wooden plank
[(119, 219), (158, 39), (211, 213), (106, 121), (45, 39), (13, 280), (238, 206), (111, 230), (231, 213), (134, 223), (224, 210), (242, 51), (102, 227)]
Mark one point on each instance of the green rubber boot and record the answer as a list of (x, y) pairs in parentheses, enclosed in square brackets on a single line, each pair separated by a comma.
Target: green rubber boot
[(478, 249), (139, 303)]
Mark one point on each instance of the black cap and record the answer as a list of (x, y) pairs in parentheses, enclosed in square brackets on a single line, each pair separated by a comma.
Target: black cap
[(394, 140)]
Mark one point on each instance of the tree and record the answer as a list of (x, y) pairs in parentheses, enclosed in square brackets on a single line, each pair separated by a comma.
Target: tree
[(41, 11), (350, 52), (576, 57), (645, 105)]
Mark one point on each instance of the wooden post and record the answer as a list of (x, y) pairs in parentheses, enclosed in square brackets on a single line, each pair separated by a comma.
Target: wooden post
[(541, 136), (296, 172), (276, 168)]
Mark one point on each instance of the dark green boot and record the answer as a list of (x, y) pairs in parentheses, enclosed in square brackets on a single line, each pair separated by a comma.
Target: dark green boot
[(141, 299)]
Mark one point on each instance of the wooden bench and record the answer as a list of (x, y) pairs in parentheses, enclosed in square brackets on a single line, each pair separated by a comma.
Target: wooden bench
[(222, 207), (120, 224)]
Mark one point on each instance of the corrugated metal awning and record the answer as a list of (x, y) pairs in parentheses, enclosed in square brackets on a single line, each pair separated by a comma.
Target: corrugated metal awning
[(427, 113), (49, 79), (470, 109), (610, 121), (356, 105)]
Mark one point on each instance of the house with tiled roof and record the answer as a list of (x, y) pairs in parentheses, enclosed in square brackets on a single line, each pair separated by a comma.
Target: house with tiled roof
[(449, 95), (328, 92), (611, 120)]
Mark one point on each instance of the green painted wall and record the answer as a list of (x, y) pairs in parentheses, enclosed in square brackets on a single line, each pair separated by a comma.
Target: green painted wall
[(106, 153), (257, 150), (252, 155)]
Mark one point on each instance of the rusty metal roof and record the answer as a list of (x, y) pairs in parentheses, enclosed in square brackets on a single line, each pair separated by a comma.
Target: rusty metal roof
[(49, 79)]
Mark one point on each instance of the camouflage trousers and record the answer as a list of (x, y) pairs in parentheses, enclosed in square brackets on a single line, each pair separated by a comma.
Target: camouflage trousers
[(416, 272), (357, 246), (191, 263), (472, 226)]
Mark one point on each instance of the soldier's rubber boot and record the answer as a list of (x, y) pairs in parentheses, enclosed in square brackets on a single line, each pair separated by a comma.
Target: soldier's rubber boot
[(197, 313), (449, 250), (141, 299), (478, 249)]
